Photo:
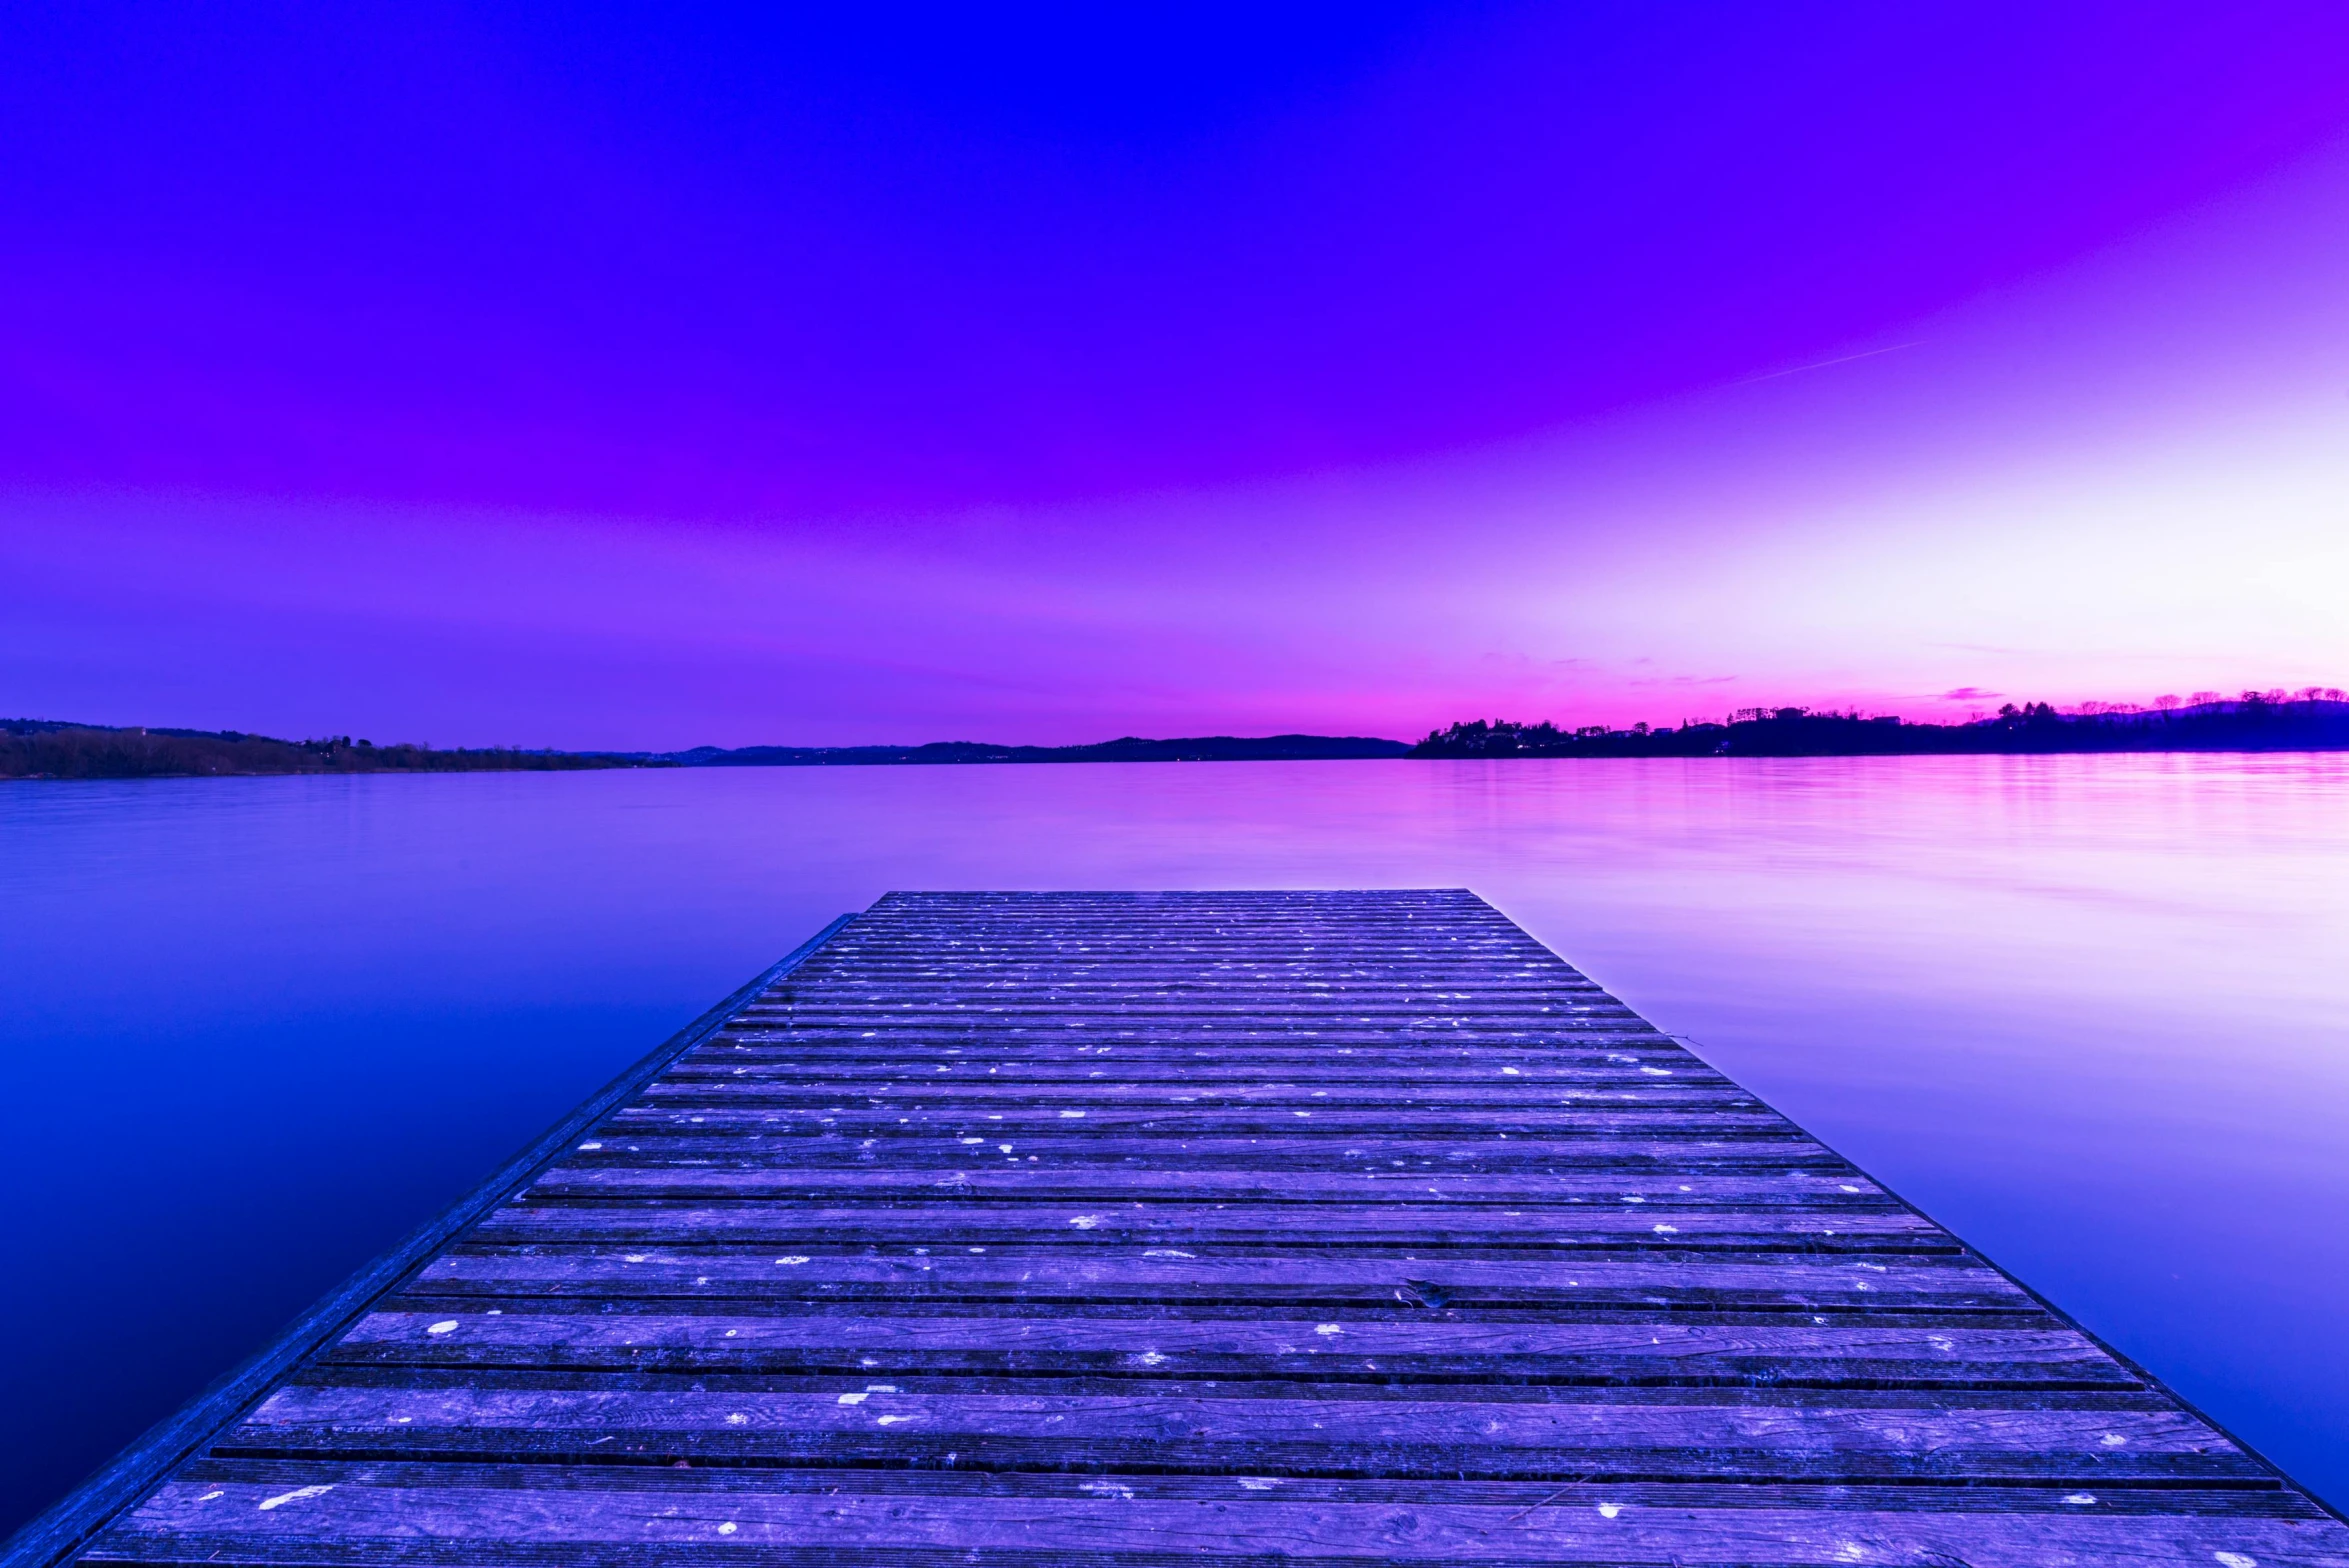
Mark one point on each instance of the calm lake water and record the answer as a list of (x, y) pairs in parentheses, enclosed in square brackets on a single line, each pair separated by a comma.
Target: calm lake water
[(2090, 1012)]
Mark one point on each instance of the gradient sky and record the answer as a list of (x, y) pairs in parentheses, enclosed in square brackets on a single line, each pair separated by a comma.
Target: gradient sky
[(646, 375)]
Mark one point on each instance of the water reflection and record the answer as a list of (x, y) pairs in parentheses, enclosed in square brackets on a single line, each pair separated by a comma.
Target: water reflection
[(2092, 1012)]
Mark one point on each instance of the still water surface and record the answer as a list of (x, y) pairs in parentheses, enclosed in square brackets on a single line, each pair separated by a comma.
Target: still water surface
[(2090, 1012)]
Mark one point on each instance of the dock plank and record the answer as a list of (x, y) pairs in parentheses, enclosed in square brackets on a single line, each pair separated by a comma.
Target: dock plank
[(1038, 1230)]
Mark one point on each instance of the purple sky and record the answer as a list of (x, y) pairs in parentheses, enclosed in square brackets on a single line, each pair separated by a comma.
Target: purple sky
[(646, 376)]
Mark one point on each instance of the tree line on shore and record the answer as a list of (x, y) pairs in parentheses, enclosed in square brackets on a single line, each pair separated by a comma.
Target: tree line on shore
[(33, 748), (2311, 719)]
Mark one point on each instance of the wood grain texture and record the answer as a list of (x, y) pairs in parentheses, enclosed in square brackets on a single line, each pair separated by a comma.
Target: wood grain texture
[(1339, 1227)]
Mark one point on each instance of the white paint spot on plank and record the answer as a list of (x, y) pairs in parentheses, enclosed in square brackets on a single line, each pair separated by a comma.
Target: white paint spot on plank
[(893, 1420), (591, 1146), (1329, 1328), (795, 1258), (2079, 1499), (1609, 1510), (853, 1399), (2235, 1560), (294, 1496), (737, 1418), (1257, 1483), (1084, 1221), (1167, 1252), (444, 1326), (1667, 1230), (728, 1528), (208, 1496), (1070, 1116)]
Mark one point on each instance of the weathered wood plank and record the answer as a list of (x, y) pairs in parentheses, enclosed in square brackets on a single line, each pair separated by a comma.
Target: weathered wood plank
[(1580, 1139), (1407, 1221), (1515, 1496), (989, 1095), (736, 1062), (1142, 1428), (1130, 1522), (988, 1171), (1454, 1282), (1586, 1137), (1255, 1346)]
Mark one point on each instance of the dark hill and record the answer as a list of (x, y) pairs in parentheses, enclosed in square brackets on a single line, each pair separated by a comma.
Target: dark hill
[(48, 748), (1131, 748)]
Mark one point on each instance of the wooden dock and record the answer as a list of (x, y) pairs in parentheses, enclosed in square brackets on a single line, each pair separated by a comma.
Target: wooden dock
[(1337, 1228)]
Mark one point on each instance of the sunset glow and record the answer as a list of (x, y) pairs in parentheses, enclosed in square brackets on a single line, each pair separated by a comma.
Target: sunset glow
[(431, 374)]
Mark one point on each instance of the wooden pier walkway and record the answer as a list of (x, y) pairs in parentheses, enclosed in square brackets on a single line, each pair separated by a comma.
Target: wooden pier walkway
[(1046, 1230)]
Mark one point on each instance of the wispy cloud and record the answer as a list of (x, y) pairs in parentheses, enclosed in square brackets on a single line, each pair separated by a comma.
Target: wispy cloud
[(1822, 364)]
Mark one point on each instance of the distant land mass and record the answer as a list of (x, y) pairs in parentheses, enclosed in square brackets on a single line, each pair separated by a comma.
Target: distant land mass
[(2313, 719), (1131, 748), (46, 748)]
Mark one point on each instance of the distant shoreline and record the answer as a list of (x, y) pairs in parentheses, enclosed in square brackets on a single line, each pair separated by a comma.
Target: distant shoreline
[(2256, 722), (50, 749), (43, 749)]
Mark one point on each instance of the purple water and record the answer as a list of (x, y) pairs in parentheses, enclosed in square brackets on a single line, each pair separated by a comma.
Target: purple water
[(2091, 1012)]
